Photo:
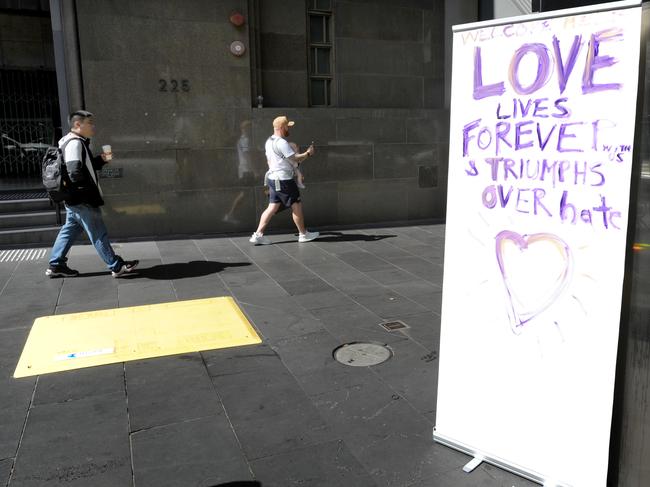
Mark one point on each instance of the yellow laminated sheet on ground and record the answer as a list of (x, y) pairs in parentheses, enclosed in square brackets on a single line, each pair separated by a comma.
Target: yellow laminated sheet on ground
[(72, 341)]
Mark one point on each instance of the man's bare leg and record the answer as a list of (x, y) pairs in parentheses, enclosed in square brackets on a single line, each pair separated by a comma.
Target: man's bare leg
[(298, 217), (267, 215)]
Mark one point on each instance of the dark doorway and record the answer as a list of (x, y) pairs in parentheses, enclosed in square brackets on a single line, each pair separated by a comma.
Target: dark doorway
[(548, 5), (29, 106)]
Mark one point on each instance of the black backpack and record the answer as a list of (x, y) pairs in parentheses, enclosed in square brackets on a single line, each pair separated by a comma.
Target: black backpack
[(55, 174)]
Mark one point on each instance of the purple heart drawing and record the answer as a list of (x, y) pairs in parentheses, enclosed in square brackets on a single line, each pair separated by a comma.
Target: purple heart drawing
[(535, 270)]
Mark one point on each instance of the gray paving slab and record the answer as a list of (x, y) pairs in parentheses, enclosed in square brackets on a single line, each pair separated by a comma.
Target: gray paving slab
[(11, 427), (221, 250), (77, 443), (389, 438), (306, 285), (108, 302), (385, 302), (240, 360), (354, 323), (323, 465), (15, 394), (420, 267), (169, 390), (284, 303), (283, 269), (274, 324), (364, 261), (20, 305), (323, 299), (138, 292), (384, 248), (283, 412), (335, 245), (412, 372), (484, 476), (309, 255), (78, 384), (424, 329), (392, 275), (88, 289), (5, 470), (264, 291), (199, 288), (310, 359), (246, 276), (201, 452), (430, 298), (7, 268), (269, 411), (342, 276)]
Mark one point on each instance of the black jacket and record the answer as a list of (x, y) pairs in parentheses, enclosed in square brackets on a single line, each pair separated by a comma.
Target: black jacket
[(84, 190)]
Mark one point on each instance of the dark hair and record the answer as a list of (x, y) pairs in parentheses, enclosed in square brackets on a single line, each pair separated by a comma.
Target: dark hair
[(79, 116)]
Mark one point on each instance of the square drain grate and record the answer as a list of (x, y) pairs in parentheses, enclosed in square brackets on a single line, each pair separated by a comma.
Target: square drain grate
[(394, 325)]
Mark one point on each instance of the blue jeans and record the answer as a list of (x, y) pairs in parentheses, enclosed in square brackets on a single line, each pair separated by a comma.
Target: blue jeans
[(80, 218)]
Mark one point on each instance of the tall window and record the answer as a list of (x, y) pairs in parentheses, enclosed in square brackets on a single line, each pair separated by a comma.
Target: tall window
[(320, 52)]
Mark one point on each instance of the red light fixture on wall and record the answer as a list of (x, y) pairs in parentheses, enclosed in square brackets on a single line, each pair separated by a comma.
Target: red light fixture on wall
[(237, 19)]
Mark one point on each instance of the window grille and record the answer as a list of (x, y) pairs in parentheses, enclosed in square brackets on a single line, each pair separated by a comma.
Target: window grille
[(319, 35), (28, 107)]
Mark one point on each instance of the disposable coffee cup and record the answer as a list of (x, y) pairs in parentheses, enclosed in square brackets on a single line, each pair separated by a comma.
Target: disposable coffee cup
[(108, 153)]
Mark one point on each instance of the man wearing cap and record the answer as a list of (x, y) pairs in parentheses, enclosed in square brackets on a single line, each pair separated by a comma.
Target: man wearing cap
[(283, 190)]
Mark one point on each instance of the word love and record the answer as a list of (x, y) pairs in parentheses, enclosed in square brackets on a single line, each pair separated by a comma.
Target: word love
[(593, 61)]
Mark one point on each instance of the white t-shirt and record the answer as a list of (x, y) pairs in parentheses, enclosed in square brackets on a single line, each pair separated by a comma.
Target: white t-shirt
[(278, 151)]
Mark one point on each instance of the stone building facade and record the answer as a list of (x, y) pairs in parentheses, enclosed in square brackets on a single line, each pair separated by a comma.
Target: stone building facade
[(187, 118)]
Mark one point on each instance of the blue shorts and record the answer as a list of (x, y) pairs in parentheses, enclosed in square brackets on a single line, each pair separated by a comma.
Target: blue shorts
[(288, 194)]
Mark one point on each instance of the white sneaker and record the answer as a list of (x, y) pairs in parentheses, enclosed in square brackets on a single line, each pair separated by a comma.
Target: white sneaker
[(308, 237), (259, 239)]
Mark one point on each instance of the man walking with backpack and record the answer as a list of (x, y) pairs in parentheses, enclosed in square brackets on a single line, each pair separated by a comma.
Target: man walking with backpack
[(82, 202)]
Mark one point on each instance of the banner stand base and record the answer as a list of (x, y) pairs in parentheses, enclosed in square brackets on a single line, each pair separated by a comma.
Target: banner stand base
[(479, 457), (472, 464)]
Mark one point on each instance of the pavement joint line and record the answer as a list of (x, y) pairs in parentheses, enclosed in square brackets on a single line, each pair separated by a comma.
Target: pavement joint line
[(225, 412), (173, 423), (22, 431), (128, 422), (13, 272)]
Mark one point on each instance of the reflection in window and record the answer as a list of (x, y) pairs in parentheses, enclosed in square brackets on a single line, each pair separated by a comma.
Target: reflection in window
[(320, 52)]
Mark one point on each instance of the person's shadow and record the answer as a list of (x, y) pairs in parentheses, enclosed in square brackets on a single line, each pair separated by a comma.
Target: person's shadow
[(241, 483), (345, 237), (177, 270), (182, 270)]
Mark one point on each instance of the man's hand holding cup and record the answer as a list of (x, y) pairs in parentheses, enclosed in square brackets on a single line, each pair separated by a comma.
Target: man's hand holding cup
[(107, 153)]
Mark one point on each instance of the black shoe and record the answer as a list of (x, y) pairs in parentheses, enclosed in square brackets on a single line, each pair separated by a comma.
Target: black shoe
[(60, 270), (126, 267)]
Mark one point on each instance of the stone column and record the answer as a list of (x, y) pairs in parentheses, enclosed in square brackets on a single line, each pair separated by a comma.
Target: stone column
[(456, 12), (67, 58)]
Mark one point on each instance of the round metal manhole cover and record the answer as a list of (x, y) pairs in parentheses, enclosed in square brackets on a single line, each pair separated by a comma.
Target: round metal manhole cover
[(362, 354)]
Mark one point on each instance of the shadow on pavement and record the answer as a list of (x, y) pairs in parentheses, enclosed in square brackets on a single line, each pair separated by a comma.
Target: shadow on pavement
[(180, 270), (183, 270), (343, 237), (248, 483)]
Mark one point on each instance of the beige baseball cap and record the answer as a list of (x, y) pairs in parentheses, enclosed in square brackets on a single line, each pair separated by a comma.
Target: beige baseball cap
[(281, 121)]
